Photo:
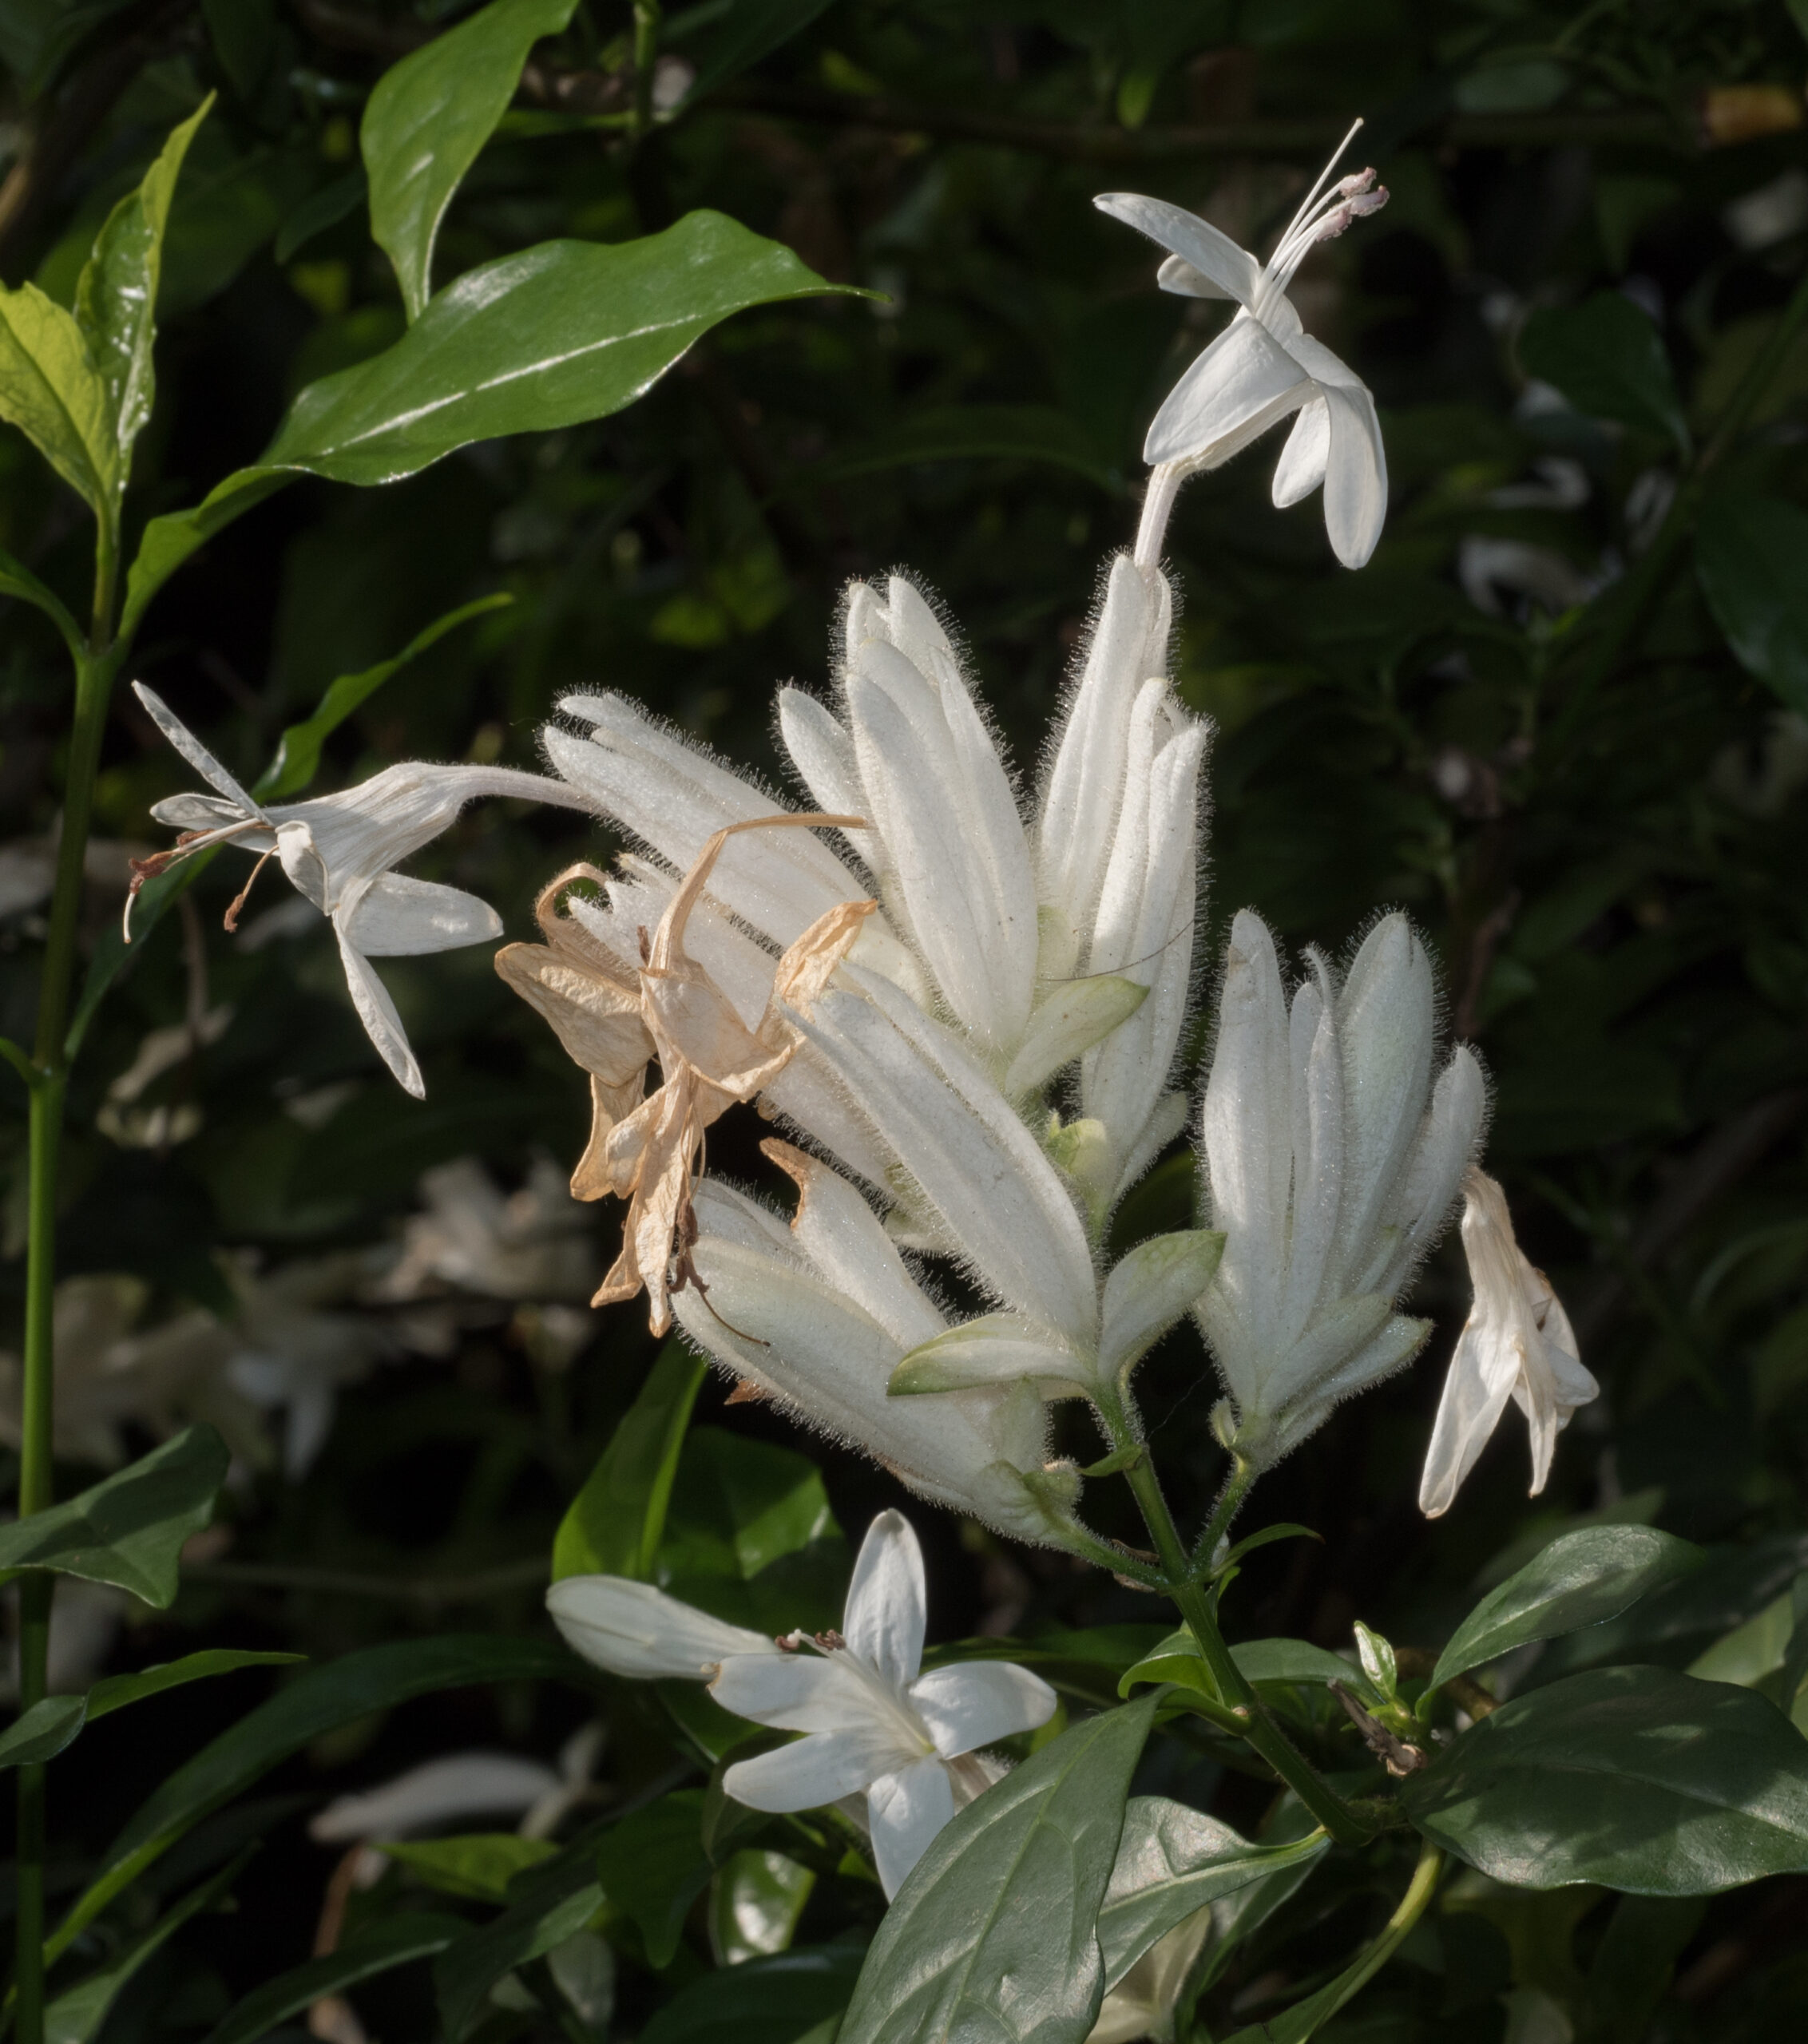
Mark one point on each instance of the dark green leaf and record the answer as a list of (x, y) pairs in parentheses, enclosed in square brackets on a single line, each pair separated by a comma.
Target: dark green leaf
[(318, 211), (1292, 1661), (317, 1701), (116, 298), (548, 1904), (1749, 552), (16, 579), (781, 2000), (1608, 357), (738, 36), (1632, 1778), (993, 1935), (1177, 1659), (40, 1733), (1036, 433), (77, 2014), (1580, 1579), (653, 1866), (615, 1523), (430, 115), (1286, 1530), (128, 1529), (478, 1867), (116, 1691), (1172, 1861), (298, 750), (384, 1946)]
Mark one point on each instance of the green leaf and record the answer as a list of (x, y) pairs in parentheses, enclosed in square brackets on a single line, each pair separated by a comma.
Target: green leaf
[(128, 1529), (1292, 1661), (117, 295), (318, 1700), (1172, 1861), (653, 1866), (428, 117), (548, 1904), (1633, 1778), (992, 1933), (1036, 433), (76, 2015), (615, 1523), (52, 391), (116, 1691), (1581, 1578), (16, 579), (737, 37), (784, 1999), (1749, 551), (41, 1733), (477, 1867), (1377, 1657), (560, 334), (1283, 1530), (393, 1943), (1608, 357), (298, 750), (1177, 1659), (755, 1904)]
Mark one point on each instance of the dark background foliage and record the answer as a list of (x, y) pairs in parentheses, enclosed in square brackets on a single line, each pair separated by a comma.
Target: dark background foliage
[(1612, 865)]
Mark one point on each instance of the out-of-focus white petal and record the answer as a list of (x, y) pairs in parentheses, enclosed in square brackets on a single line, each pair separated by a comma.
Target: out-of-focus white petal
[(904, 1812), (1355, 477), (633, 1629), (1317, 1151), (976, 1703), (887, 1600), (455, 1790), (399, 917)]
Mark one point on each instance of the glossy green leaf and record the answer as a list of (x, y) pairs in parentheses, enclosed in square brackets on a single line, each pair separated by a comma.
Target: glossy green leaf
[(1749, 552), (77, 2014), (1171, 1862), (653, 1866), (737, 37), (114, 1692), (1294, 1660), (393, 1943), (117, 295), (298, 750), (41, 1732), (1177, 1659), (1608, 357), (993, 1935), (615, 1523), (755, 1904), (318, 1700), (16, 579), (430, 115), (547, 1904), (477, 1867), (1633, 1778), (1580, 1579), (786, 1999), (52, 391), (129, 1528)]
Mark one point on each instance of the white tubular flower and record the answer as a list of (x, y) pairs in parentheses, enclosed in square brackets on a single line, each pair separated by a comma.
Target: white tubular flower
[(1331, 1161), (337, 849), (817, 1315), (872, 1723), (1263, 367), (1517, 1343), (633, 1629)]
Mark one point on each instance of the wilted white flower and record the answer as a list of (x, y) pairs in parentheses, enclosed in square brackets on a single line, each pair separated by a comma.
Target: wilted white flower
[(1330, 1162), (1263, 367), (1517, 1343), (339, 850)]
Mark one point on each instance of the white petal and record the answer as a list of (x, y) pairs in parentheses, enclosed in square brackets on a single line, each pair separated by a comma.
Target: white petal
[(1446, 1143), (452, 1789), (193, 812), (1151, 1288), (377, 1011), (809, 1097), (633, 1629), (840, 1236), (1483, 1371), (1197, 243), (1355, 477), (904, 1812), (1394, 1345), (887, 1600), (800, 1692), (1301, 466), (822, 752), (192, 750), (977, 1703), (1318, 1152), (1178, 275), (1236, 389), (1386, 1024), (399, 918), (816, 1771)]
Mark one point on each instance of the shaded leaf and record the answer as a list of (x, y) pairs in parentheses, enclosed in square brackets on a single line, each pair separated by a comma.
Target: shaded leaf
[(16, 579), (737, 37), (1749, 552), (615, 1523), (973, 433), (393, 1943), (41, 1732), (779, 2000), (992, 1933), (548, 1904), (114, 1692), (1608, 357), (128, 1529), (653, 1866), (478, 1866)]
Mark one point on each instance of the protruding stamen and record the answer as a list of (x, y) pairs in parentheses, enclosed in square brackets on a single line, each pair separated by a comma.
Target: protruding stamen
[(239, 899)]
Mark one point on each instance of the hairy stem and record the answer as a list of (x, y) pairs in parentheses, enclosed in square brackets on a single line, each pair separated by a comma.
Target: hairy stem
[(1242, 1476)]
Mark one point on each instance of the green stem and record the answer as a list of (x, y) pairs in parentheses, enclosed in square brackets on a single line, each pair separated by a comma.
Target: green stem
[(1182, 1586), (646, 57), (1634, 596), (1242, 1476), (1325, 2004), (93, 688)]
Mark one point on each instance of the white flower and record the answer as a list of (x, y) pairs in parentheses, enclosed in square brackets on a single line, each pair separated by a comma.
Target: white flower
[(1263, 367), (818, 1315), (535, 1243), (873, 1723), (1331, 1161), (633, 1629), (454, 1789), (337, 849), (1517, 1343)]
